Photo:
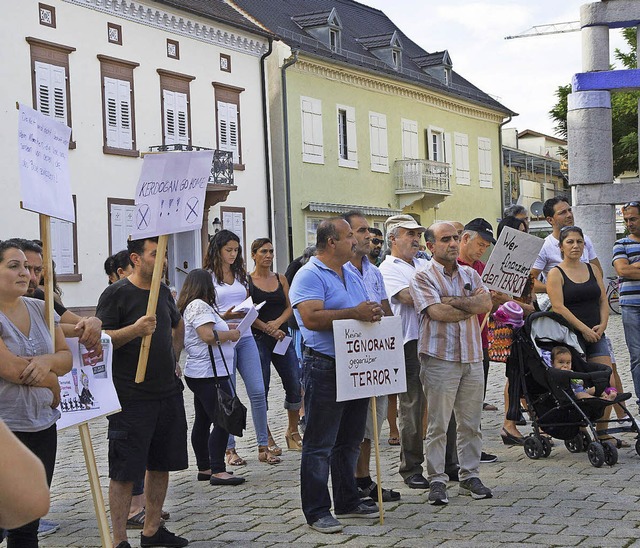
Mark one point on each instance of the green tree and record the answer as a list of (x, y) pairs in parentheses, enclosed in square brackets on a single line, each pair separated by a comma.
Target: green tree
[(624, 112)]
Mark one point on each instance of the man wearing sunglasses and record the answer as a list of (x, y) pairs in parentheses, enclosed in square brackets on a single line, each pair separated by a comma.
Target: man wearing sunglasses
[(376, 245), (626, 261)]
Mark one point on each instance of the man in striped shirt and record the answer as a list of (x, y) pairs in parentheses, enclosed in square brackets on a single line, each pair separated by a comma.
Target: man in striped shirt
[(448, 297), (626, 261)]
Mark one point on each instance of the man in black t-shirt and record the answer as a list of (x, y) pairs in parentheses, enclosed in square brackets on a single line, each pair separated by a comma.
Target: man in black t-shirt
[(151, 430)]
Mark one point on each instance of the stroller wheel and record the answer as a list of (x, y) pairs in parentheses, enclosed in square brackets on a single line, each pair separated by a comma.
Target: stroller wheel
[(610, 453), (533, 447), (638, 446), (586, 440), (595, 452), (575, 444), (546, 447)]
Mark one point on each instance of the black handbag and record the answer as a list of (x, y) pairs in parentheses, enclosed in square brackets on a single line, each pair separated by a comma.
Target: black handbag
[(230, 413)]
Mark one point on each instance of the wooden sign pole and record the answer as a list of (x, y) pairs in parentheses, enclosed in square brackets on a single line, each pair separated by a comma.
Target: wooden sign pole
[(152, 305), (85, 435), (376, 443)]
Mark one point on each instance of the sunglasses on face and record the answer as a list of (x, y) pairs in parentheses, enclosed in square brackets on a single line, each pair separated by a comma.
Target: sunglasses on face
[(376, 241)]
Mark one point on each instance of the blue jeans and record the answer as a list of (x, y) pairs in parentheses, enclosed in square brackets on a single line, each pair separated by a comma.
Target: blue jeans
[(287, 367), (331, 442), (247, 360), (631, 323)]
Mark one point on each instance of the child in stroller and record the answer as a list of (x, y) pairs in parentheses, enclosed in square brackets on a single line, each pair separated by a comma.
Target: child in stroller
[(560, 358), (554, 409)]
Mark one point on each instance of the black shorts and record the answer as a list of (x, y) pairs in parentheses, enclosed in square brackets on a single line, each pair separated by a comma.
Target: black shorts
[(147, 435)]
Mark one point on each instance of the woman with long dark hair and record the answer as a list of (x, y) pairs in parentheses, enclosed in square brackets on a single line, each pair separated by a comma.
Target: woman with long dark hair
[(30, 363), (270, 328), (201, 324), (224, 261)]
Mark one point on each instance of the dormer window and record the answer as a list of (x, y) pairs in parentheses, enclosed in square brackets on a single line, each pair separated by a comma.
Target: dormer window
[(437, 64), (447, 76), (324, 26), (386, 47)]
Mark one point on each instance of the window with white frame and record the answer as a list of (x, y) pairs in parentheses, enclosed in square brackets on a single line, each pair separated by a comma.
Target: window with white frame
[(409, 139), (51, 88), (436, 144), (463, 176), (228, 120), (347, 147), (176, 124), (334, 40), (312, 228), (378, 138), (485, 167), (118, 106), (312, 141)]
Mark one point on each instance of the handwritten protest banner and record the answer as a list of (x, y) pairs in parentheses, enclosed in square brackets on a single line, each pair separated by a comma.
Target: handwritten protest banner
[(170, 193), (369, 358), (87, 391), (509, 265), (43, 148)]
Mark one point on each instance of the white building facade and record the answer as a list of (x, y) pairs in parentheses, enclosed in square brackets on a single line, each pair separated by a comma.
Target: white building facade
[(128, 77)]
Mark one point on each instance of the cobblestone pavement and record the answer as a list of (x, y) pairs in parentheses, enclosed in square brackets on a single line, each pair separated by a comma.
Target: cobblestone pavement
[(559, 501)]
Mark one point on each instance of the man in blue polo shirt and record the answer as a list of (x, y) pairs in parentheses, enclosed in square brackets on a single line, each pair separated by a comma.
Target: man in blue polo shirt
[(323, 291), (626, 261)]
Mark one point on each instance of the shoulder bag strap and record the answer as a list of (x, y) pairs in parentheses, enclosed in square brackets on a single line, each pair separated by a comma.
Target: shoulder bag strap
[(224, 361)]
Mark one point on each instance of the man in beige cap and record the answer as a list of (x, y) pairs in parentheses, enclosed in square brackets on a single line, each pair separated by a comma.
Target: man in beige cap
[(403, 235)]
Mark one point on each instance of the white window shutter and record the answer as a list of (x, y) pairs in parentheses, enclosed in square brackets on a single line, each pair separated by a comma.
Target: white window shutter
[(62, 246), (378, 138), (461, 141), (312, 138), (228, 129), (170, 122), (447, 148), (111, 112), (125, 137), (51, 91), (484, 162), (352, 145), (121, 220), (409, 139), (182, 118)]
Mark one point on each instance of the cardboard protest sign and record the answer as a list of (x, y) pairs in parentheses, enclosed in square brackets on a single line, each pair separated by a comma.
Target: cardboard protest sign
[(43, 149), (87, 391), (170, 193), (369, 358), (509, 265)]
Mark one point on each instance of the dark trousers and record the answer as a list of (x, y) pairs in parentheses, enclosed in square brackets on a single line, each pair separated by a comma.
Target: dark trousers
[(331, 442), (208, 444), (43, 445)]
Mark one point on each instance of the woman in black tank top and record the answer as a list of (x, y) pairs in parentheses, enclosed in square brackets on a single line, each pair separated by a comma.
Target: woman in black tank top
[(578, 295), (270, 328)]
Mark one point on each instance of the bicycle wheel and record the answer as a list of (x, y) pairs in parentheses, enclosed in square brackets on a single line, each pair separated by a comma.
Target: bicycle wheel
[(613, 297)]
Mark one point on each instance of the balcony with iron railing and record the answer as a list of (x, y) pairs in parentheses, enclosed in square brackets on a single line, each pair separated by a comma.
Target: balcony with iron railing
[(417, 179), (221, 167)]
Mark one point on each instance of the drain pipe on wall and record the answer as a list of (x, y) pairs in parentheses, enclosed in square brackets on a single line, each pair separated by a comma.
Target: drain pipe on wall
[(287, 167), (265, 129), (502, 203)]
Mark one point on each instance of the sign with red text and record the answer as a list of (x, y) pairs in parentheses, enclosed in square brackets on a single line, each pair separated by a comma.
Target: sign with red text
[(171, 192), (509, 265), (369, 358)]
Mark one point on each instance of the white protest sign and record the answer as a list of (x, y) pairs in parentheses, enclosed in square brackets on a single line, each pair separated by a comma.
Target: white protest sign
[(509, 265), (87, 391), (43, 150), (170, 193), (369, 358)]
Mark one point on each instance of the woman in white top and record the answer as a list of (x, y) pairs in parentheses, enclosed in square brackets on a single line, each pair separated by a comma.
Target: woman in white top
[(224, 261), (196, 304)]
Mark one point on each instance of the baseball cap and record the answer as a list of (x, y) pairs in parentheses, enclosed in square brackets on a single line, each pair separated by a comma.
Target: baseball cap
[(402, 221), (482, 227)]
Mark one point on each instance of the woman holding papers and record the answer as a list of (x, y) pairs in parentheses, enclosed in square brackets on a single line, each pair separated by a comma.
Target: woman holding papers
[(197, 306), (269, 332), (30, 364), (224, 261)]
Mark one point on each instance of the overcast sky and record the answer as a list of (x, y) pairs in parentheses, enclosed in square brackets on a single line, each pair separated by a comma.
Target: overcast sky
[(522, 74)]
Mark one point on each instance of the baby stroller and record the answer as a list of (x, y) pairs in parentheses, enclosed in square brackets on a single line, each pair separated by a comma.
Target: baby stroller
[(550, 400)]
